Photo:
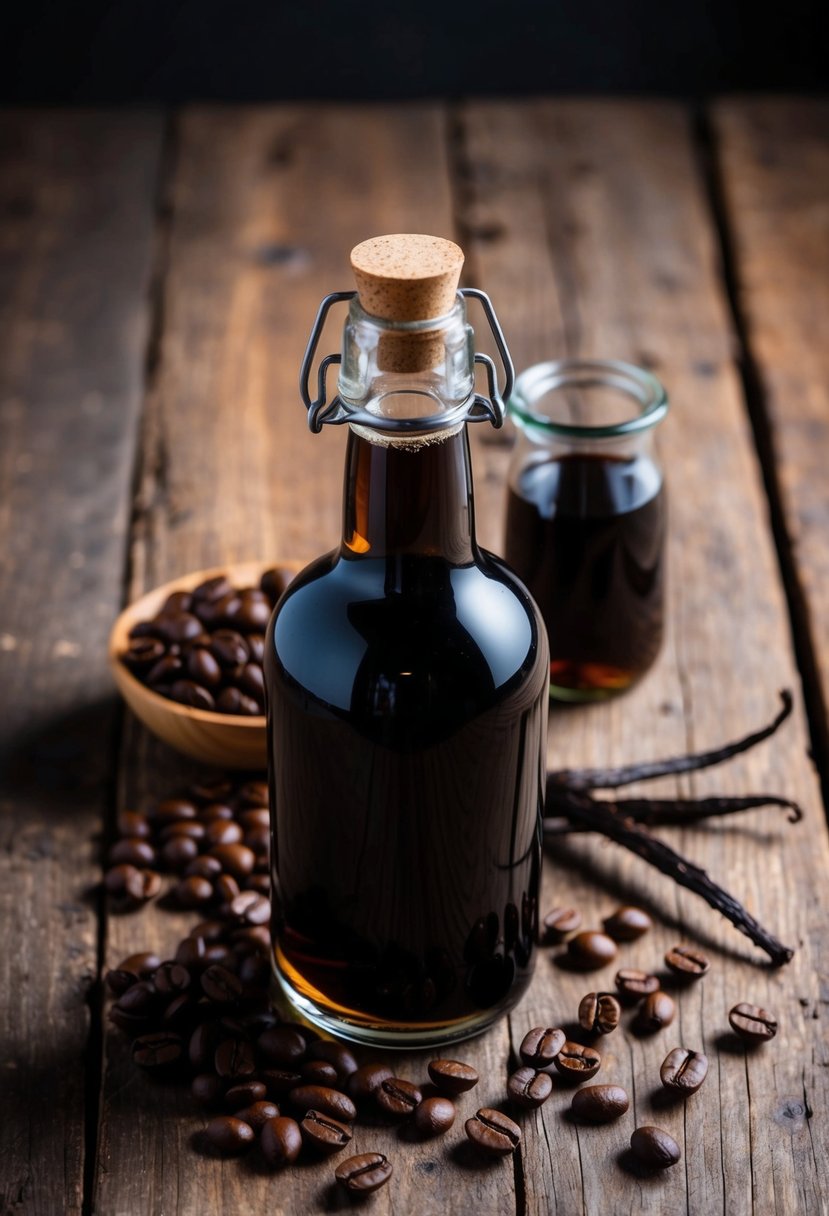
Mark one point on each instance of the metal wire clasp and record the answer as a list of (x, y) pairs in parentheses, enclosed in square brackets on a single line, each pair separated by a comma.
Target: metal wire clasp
[(477, 408)]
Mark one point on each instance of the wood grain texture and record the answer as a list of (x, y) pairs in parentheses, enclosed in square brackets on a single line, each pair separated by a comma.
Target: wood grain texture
[(773, 166), (590, 228), (265, 206), (76, 242)]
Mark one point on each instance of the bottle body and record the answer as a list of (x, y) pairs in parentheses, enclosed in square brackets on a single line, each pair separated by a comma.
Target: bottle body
[(407, 690)]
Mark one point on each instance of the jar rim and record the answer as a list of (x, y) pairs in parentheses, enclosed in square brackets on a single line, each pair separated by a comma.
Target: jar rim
[(541, 378)]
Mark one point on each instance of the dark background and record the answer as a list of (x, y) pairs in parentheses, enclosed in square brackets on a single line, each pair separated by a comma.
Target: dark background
[(248, 50)]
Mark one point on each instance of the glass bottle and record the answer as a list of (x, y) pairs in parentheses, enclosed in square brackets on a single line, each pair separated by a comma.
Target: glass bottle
[(586, 519), (406, 675)]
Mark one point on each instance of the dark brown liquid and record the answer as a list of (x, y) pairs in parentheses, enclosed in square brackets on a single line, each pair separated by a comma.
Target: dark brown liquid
[(407, 695), (586, 534)]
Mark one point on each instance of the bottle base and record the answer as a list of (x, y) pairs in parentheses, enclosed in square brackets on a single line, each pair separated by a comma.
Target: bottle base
[(378, 1032)]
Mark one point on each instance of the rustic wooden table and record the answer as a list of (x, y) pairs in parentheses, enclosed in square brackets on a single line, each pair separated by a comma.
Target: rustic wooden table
[(159, 275)]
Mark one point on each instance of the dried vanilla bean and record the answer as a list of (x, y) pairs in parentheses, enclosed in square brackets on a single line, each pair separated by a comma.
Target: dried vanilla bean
[(671, 811)]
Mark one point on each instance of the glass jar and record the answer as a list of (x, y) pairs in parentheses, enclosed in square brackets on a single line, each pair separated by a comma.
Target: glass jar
[(586, 519)]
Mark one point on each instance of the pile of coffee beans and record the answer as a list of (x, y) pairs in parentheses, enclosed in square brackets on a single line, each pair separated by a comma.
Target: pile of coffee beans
[(214, 838), (204, 1015), (205, 647)]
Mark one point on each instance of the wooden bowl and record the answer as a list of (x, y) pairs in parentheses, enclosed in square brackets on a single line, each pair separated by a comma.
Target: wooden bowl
[(222, 740)]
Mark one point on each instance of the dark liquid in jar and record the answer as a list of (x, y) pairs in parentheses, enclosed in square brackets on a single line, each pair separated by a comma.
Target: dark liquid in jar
[(406, 853), (586, 534)]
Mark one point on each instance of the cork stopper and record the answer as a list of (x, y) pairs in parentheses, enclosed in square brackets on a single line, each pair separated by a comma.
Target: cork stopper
[(407, 277)]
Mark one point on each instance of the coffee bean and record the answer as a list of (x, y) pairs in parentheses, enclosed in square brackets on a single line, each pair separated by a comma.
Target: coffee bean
[(173, 810), (256, 910), (452, 1076), (185, 827), (632, 985), (222, 831), (540, 1046), (364, 1174), (226, 889), (336, 1054), (142, 655), (684, 1070), (280, 1081), (558, 924), (202, 668), (255, 817), (325, 1100), (239, 1096), (186, 692), (221, 985), (687, 962), (434, 1116), (599, 1103), (752, 1023), (599, 1013), (256, 646), (159, 1050), (282, 1046), (119, 981), (204, 867), (132, 850), (207, 1088), (528, 1088), (215, 810), (212, 589), (362, 1084), (234, 1058), (252, 682), (236, 859), (657, 1010), (627, 923), (590, 950), (257, 1114), (203, 1043), (229, 1135), (140, 998), (397, 1098), (130, 823), (273, 582), (280, 1141), (143, 965), (578, 1063), (654, 1147), (171, 979), (193, 892), (494, 1133), (130, 886), (254, 793), (317, 1072), (232, 701), (190, 952), (228, 648), (177, 626), (323, 1134), (164, 673), (179, 851)]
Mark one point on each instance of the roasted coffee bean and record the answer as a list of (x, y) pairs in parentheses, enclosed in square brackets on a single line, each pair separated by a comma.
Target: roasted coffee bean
[(599, 1013), (317, 1072), (362, 1084), (132, 850), (397, 1098), (141, 998), (180, 1014), (325, 1100), (207, 1088), (173, 810), (171, 979), (229, 1135), (212, 589), (683, 1070), (260, 883), (202, 668), (599, 1103), (159, 1050), (191, 952), (657, 1010), (163, 673), (280, 1141), (540, 1046), (186, 692), (364, 1174), (234, 1058), (233, 701), (578, 1063), (687, 961), (222, 831), (132, 1024), (558, 924), (255, 972), (130, 823), (627, 923), (178, 852), (589, 950), (118, 981), (256, 646), (229, 649), (529, 1088), (251, 614), (280, 1081), (215, 810), (452, 1076), (323, 1134), (129, 885), (434, 1116), (210, 930), (177, 626), (226, 889), (142, 655), (239, 1096), (252, 682), (752, 1023), (255, 817), (632, 985), (236, 859), (143, 965), (273, 582), (257, 1114), (184, 827), (336, 1054), (494, 1133), (193, 892), (654, 1147), (204, 867), (177, 601), (254, 793), (256, 910), (283, 1046), (221, 985)]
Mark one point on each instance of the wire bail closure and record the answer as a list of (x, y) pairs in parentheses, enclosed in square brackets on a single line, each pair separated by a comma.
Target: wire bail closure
[(476, 408)]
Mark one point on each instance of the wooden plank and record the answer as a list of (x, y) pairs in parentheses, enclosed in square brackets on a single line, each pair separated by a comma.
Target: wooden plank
[(591, 231), (264, 213), (774, 170), (76, 241)]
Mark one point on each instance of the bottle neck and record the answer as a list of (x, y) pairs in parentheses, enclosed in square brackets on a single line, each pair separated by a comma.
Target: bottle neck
[(410, 497)]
